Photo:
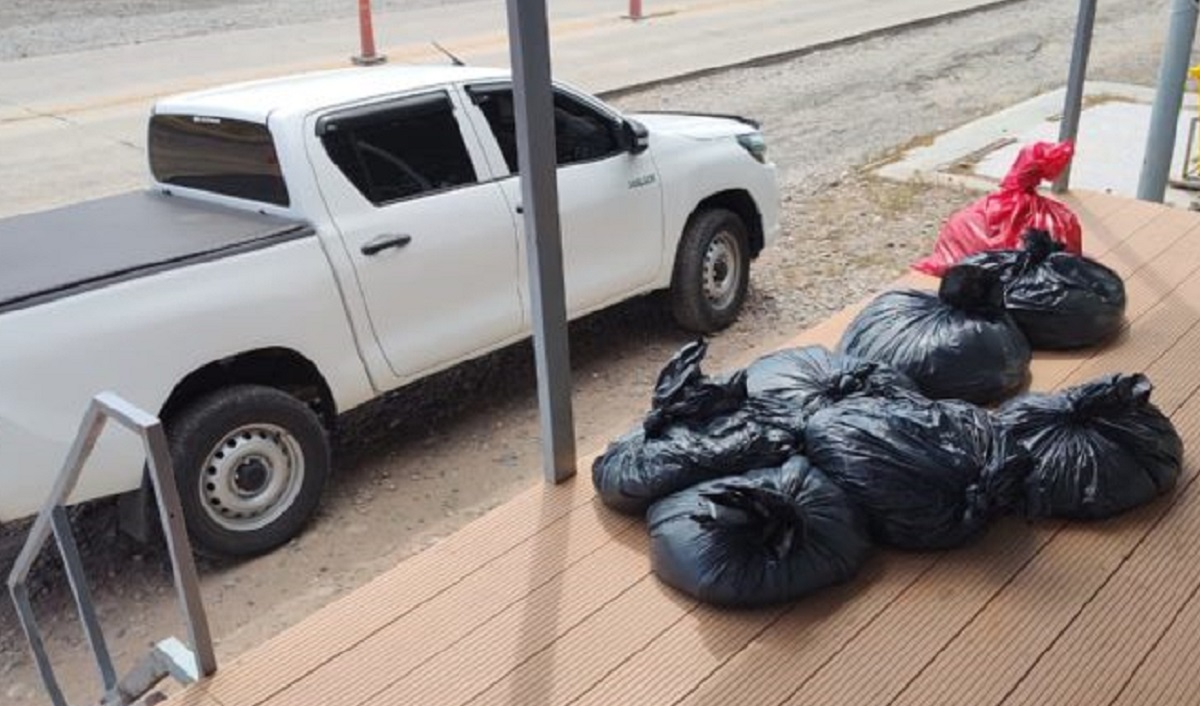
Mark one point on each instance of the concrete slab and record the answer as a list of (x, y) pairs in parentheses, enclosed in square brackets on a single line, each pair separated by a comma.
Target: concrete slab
[(1109, 151)]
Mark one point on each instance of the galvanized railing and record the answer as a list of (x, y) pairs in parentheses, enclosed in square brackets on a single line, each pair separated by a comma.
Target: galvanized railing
[(169, 657)]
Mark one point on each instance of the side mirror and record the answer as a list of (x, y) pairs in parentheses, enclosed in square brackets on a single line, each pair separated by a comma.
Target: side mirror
[(635, 138)]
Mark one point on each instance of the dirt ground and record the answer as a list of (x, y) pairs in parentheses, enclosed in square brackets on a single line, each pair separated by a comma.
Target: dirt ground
[(428, 459)]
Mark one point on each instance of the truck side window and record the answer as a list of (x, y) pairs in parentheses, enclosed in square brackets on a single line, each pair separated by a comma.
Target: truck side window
[(400, 150), (581, 133)]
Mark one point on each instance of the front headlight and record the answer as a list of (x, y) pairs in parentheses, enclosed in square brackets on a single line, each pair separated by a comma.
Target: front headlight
[(755, 145)]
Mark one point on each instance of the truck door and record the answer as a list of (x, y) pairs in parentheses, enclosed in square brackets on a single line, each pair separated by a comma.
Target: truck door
[(431, 236), (610, 201)]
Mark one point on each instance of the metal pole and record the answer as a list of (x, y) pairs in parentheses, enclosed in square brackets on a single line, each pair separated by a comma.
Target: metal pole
[(20, 596), (1073, 107), (1164, 119), (366, 37), (85, 606), (183, 565), (529, 45), (635, 9)]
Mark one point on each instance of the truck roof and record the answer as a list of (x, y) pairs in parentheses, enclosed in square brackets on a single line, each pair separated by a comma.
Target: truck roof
[(304, 93)]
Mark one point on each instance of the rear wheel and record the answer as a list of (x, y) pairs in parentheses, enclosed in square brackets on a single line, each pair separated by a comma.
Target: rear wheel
[(712, 271), (250, 462)]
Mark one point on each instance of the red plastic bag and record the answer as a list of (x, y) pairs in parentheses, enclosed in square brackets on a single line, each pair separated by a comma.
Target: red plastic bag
[(997, 221)]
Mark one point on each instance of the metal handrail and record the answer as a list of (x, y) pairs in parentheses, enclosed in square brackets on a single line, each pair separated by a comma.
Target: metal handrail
[(169, 657)]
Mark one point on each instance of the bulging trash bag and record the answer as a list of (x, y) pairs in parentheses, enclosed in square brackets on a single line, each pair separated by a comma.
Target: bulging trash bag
[(958, 343), (769, 536), (811, 378), (1058, 300), (1099, 448), (926, 474), (998, 220), (699, 429)]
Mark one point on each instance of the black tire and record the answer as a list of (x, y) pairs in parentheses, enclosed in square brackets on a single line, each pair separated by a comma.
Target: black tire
[(707, 289), (279, 457)]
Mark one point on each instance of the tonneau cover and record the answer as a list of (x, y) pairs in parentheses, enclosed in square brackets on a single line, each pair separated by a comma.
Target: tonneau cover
[(55, 253)]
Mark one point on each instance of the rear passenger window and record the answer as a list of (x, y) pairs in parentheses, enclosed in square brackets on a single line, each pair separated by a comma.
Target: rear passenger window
[(400, 150)]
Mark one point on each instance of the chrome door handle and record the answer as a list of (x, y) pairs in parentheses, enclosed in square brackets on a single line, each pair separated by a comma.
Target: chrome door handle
[(384, 242)]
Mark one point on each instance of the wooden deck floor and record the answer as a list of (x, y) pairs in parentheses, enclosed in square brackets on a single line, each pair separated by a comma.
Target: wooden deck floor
[(549, 600)]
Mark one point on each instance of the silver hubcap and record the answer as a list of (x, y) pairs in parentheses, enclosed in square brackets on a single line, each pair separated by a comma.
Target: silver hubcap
[(722, 270), (252, 477)]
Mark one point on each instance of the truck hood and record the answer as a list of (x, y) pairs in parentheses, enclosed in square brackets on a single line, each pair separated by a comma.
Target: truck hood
[(696, 126)]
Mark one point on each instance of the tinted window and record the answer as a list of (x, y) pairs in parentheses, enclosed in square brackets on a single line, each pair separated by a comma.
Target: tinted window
[(399, 150), (581, 133), (231, 157)]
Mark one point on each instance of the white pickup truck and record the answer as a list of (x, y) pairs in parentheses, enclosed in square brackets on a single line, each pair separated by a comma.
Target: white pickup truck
[(310, 243)]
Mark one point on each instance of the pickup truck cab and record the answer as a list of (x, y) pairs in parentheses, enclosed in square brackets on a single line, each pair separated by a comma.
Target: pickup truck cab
[(312, 242)]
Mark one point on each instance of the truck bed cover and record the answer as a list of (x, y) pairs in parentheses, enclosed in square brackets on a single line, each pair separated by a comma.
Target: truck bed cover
[(56, 253)]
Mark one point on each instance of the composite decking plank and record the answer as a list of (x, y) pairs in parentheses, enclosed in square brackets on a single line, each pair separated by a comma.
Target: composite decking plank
[(267, 669), (419, 635), (673, 664), (606, 640), (880, 661), (519, 633), (1177, 365), (1094, 657), (1092, 207), (1120, 223), (809, 635), (1148, 240), (193, 697), (1167, 675)]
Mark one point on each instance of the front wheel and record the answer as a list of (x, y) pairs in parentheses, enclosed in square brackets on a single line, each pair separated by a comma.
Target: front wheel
[(712, 271), (250, 462)]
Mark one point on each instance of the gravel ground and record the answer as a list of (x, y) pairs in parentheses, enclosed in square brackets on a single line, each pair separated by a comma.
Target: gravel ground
[(427, 459)]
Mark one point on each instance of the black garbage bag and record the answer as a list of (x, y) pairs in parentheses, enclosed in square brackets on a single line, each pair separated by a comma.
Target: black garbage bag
[(684, 392), (810, 379), (1058, 300), (958, 343), (1098, 449), (699, 429), (927, 474), (769, 536)]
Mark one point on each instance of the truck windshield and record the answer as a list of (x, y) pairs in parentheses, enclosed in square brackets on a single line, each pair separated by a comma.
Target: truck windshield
[(221, 155)]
